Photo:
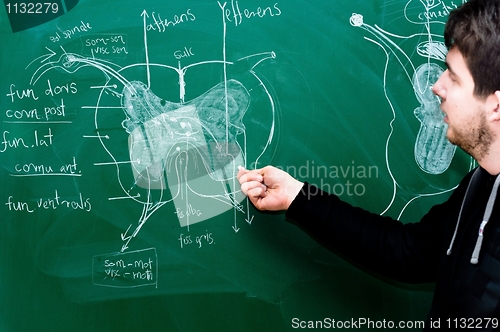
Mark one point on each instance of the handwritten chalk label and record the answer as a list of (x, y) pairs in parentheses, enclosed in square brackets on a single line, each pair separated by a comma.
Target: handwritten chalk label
[(108, 45), (234, 13), (126, 269), (38, 139), (53, 202)]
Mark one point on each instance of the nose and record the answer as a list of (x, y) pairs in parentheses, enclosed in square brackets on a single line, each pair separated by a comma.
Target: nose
[(438, 87)]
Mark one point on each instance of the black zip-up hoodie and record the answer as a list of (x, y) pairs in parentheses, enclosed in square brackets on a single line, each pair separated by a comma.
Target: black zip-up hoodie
[(437, 249)]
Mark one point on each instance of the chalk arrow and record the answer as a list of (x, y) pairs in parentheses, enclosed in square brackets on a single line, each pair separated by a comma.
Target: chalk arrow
[(144, 16), (46, 56), (249, 221), (124, 237)]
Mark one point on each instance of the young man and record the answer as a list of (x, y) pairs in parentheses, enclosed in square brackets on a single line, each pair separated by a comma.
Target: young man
[(457, 244)]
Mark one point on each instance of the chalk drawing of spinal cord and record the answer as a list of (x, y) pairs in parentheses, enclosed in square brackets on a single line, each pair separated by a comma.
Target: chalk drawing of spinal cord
[(189, 147), (433, 152)]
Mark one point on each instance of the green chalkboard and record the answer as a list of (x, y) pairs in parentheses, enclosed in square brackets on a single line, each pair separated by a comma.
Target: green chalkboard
[(122, 127)]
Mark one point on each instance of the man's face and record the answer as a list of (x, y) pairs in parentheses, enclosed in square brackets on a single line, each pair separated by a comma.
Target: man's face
[(464, 112)]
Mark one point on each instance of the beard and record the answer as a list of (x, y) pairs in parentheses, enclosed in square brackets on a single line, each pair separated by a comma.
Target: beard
[(474, 137)]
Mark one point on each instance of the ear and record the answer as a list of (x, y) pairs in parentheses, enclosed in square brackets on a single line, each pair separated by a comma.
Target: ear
[(493, 106)]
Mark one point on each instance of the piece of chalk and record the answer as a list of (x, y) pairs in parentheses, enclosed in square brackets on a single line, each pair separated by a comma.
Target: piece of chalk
[(240, 168)]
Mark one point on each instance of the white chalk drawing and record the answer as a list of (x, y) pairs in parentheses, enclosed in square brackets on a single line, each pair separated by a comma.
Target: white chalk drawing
[(182, 152), (432, 150)]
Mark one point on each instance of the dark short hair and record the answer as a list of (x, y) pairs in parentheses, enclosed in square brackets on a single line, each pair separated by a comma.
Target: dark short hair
[(474, 28)]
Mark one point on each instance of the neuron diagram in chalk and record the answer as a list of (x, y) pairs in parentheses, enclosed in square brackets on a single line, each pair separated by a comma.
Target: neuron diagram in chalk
[(182, 152)]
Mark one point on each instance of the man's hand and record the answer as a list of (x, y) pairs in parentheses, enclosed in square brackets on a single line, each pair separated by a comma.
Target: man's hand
[(269, 188)]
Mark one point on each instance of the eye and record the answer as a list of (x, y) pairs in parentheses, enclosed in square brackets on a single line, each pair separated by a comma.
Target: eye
[(453, 78), (449, 75)]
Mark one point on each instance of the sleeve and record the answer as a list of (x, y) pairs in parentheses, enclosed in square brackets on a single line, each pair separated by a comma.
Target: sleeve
[(404, 252)]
